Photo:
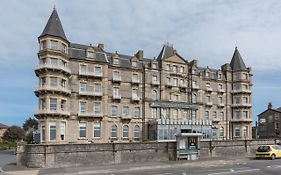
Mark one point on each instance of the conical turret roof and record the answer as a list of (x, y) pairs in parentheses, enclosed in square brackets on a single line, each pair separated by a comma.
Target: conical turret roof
[(237, 62), (54, 26)]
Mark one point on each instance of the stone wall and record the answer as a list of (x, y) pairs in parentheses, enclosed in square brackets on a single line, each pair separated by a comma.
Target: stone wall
[(66, 155)]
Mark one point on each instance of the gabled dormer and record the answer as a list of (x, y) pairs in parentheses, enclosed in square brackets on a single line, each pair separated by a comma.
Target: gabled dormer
[(115, 59)]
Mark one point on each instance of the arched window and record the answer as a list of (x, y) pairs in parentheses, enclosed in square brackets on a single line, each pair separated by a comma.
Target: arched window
[(125, 131), (154, 95), (113, 131), (137, 131)]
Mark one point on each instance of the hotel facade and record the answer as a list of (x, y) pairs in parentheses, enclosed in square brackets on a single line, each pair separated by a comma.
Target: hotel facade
[(89, 95)]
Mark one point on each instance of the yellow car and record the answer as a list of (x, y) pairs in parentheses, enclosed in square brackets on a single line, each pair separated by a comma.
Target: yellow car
[(268, 151)]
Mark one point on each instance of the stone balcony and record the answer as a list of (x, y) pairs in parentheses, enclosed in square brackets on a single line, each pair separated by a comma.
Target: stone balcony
[(90, 74), (52, 112), (90, 114), (59, 67), (46, 88), (236, 105), (91, 93)]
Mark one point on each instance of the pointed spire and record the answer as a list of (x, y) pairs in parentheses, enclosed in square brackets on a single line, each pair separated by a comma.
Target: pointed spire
[(54, 26), (237, 62)]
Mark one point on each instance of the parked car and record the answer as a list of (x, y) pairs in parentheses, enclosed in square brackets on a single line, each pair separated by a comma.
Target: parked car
[(268, 151)]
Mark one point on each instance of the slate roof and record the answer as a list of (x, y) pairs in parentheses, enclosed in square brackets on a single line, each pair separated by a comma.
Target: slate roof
[(166, 52), (2, 126), (54, 26), (237, 62)]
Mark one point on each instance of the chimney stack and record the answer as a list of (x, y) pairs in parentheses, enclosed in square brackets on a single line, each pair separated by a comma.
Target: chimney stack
[(101, 46), (269, 105), (139, 54)]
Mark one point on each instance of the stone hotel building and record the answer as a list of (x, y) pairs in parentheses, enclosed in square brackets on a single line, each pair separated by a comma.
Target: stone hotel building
[(89, 95)]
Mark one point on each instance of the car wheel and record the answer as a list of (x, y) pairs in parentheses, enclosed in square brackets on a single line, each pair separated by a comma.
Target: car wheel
[(272, 157)]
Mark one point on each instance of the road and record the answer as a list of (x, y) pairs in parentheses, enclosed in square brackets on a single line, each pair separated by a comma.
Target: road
[(221, 167), (7, 157)]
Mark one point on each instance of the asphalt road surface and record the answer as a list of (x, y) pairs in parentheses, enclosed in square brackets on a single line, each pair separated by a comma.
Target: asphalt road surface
[(7, 157), (242, 167)]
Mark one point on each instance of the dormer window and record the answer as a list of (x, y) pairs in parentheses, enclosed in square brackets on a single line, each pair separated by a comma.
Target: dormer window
[(134, 63), (90, 54), (207, 74), (54, 44), (154, 65), (115, 61)]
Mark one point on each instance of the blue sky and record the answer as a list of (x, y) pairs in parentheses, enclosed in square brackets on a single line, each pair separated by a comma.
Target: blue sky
[(207, 30)]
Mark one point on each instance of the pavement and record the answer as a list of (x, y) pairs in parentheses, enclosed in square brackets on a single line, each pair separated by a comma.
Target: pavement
[(13, 169)]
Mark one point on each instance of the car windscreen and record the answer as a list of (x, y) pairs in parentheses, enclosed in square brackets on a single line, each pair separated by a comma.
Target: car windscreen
[(263, 149)]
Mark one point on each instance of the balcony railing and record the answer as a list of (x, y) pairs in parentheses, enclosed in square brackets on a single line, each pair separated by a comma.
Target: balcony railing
[(90, 114), (90, 73), (155, 82), (241, 105), (241, 91), (135, 97), (116, 78), (52, 112), (126, 117), (53, 88), (187, 122), (53, 66), (136, 81), (116, 96), (195, 86), (220, 104), (221, 90), (209, 104), (242, 119), (209, 89), (90, 93)]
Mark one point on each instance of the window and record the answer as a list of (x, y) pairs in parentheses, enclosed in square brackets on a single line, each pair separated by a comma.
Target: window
[(245, 114), (219, 76), (168, 81), (125, 131), (181, 82), (193, 115), (220, 86), (237, 114), (116, 92), (82, 107), (83, 87), (214, 115), (194, 83), (43, 103), (137, 112), (43, 61), (194, 98), (237, 132), (83, 68), (134, 63), (153, 112), (154, 95), (245, 100), (181, 69), (137, 131), (116, 75), (96, 130), (154, 79), (237, 76), (164, 114), (114, 110), (236, 86), (54, 62), (63, 105), (245, 87), (43, 131), (115, 61), (90, 54), (220, 100), (113, 131), (53, 81), (54, 44), (63, 48), (244, 76), (208, 85), (98, 71), (277, 124), (125, 111), (135, 78), (43, 81), (97, 88), (185, 115), (207, 74), (154, 65), (82, 130), (175, 98), (208, 99), (206, 115), (168, 67), (175, 69), (53, 130), (175, 82), (237, 100), (175, 114), (62, 130), (63, 83), (44, 45), (135, 93), (97, 108), (53, 104), (222, 115), (245, 131), (221, 131)]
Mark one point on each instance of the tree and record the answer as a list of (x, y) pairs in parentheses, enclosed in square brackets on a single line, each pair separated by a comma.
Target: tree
[(13, 134), (30, 125)]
